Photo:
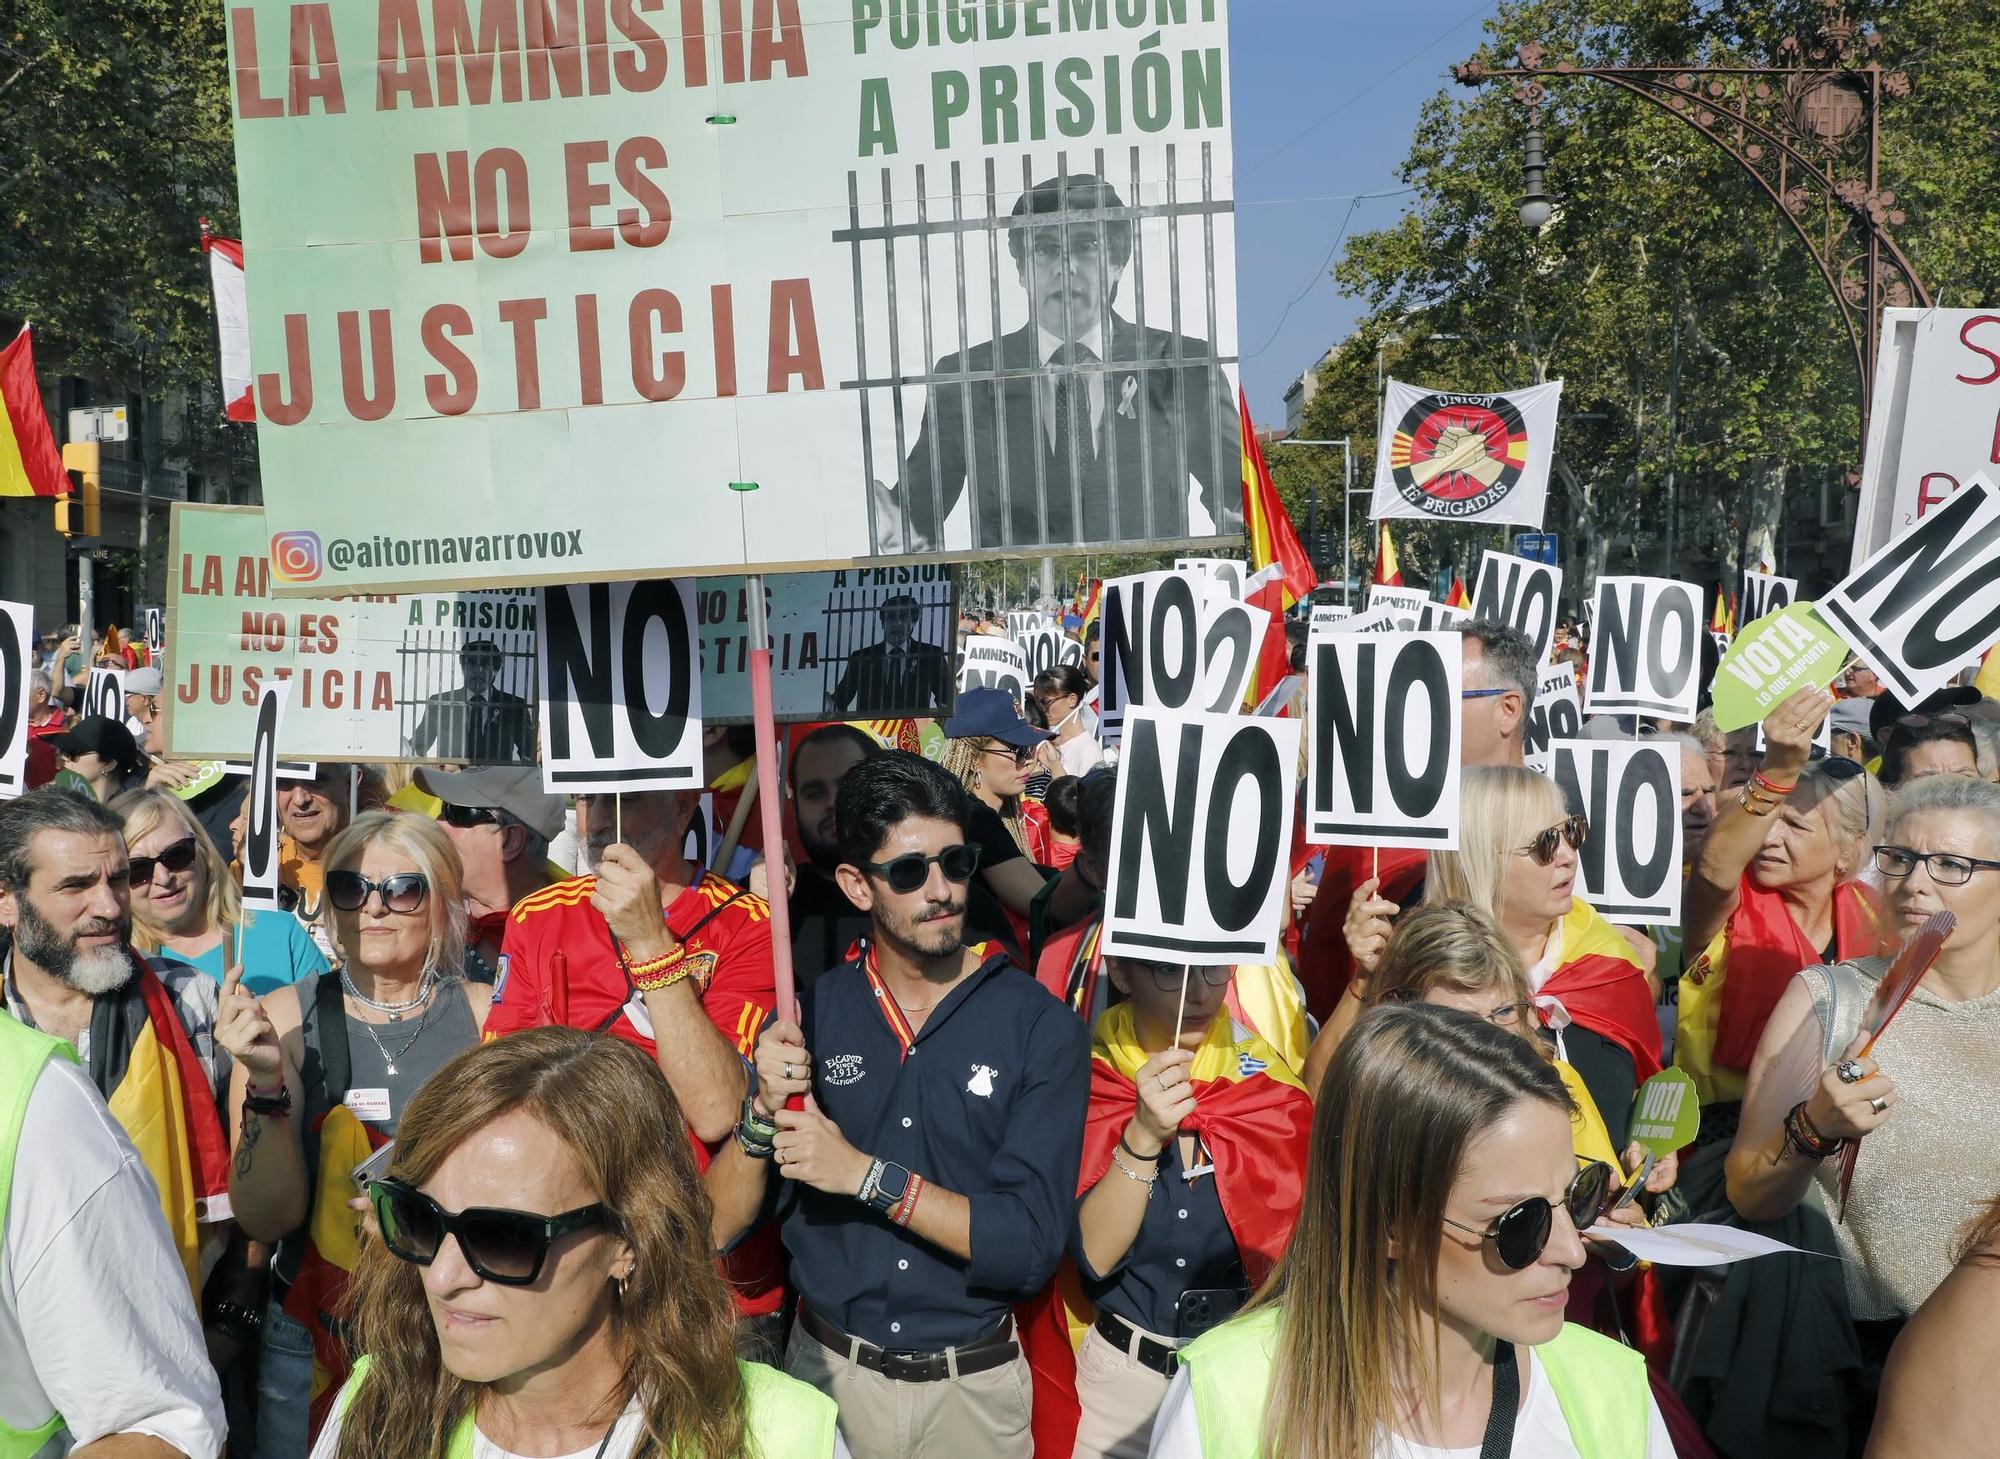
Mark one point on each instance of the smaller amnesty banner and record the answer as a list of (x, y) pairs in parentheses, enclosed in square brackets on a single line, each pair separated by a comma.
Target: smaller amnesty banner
[(450, 677), (1451, 457)]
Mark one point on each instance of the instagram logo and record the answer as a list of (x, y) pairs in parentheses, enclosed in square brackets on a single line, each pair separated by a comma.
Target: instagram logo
[(295, 556)]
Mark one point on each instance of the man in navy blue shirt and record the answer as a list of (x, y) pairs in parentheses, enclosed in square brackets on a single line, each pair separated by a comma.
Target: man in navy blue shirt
[(925, 1120)]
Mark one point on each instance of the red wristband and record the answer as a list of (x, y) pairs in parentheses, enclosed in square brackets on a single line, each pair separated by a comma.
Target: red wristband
[(907, 1207)]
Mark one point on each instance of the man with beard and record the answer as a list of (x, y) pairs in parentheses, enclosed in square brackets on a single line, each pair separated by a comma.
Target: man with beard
[(824, 923), (928, 1182), (143, 1033), (664, 955)]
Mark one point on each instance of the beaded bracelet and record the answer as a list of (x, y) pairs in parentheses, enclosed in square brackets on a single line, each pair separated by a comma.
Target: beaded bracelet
[(907, 1207)]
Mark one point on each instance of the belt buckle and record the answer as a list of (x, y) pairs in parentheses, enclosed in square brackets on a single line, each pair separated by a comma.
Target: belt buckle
[(910, 1367)]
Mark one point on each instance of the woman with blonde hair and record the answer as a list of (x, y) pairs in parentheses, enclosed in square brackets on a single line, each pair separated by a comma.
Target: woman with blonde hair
[(1517, 862), (324, 1069), (186, 907), (1420, 1303), (990, 750), (544, 1285)]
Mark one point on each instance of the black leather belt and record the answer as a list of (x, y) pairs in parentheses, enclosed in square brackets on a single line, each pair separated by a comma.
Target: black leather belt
[(996, 1349), (1121, 1334)]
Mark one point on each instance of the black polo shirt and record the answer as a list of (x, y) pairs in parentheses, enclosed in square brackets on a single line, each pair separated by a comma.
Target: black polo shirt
[(1184, 1244), (988, 1102)]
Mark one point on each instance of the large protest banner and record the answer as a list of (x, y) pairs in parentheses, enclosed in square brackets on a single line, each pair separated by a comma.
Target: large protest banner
[(1450, 457), (450, 677), (939, 278), (1934, 422)]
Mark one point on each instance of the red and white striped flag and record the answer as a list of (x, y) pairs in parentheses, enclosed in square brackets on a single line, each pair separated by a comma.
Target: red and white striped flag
[(232, 323)]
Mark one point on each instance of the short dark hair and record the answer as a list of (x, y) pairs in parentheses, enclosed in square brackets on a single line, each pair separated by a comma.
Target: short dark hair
[(1062, 679), (1510, 657), (899, 600), (1097, 807), (1064, 802), (485, 646), (46, 810), (1080, 192), (828, 734), (1298, 634), (1946, 726), (881, 793)]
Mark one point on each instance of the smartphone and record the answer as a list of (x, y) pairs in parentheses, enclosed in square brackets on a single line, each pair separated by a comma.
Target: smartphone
[(374, 1167), (1636, 1183)]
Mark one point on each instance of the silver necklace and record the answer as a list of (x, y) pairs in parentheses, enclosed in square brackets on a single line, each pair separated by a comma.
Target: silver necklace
[(394, 1011), (389, 1059)]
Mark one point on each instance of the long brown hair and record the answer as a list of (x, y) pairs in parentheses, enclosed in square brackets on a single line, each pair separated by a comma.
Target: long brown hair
[(611, 1106), (1410, 1088)]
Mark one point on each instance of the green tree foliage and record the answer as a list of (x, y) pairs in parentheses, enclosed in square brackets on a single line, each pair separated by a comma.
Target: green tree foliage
[(1704, 362), (114, 142)]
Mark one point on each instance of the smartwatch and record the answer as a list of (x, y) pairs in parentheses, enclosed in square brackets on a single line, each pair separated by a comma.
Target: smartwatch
[(890, 1187)]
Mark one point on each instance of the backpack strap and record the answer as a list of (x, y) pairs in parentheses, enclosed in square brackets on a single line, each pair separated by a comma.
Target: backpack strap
[(336, 1066)]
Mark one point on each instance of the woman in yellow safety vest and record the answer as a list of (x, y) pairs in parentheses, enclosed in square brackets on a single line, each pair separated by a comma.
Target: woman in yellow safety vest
[(544, 1283), (1419, 1308)]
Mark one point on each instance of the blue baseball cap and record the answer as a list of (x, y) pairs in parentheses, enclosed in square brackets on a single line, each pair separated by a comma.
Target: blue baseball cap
[(991, 714)]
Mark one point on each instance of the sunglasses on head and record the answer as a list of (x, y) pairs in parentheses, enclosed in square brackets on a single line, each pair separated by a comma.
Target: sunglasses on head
[(908, 873), (1521, 1233), (465, 817), (403, 892), (508, 1247), (178, 857), (1914, 723), (1575, 830)]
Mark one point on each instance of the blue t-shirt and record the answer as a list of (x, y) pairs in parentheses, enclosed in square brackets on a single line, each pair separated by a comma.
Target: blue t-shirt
[(277, 951)]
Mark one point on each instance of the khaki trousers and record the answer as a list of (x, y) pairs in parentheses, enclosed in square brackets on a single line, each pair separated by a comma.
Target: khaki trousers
[(1120, 1396), (981, 1416)]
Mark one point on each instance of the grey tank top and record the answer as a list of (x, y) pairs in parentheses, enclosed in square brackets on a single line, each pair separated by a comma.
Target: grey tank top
[(448, 1031)]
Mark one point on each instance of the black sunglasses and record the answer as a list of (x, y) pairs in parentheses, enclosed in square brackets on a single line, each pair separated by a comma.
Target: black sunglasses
[(508, 1247), (907, 873), (1521, 1234), (177, 857), (1020, 755), (403, 892), (465, 817), (1575, 830)]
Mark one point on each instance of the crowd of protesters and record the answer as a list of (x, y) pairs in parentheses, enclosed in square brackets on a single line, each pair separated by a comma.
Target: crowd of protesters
[(493, 1140)]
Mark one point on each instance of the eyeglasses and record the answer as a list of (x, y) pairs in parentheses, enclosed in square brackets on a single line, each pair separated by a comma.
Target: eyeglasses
[(508, 1247), (1019, 756), (907, 873), (403, 892), (1945, 868), (1167, 976), (1484, 693), (465, 817), (1503, 1015), (1521, 1234), (1575, 830), (177, 857)]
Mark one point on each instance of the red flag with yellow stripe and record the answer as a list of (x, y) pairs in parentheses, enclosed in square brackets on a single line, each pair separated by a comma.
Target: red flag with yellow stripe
[(30, 465), (1266, 524)]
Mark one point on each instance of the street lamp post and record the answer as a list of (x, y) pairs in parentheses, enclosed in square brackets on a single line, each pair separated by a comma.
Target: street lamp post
[(1346, 510), (1808, 131)]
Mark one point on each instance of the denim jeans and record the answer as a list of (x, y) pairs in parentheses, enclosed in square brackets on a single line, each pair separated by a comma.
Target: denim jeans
[(284, 1387)]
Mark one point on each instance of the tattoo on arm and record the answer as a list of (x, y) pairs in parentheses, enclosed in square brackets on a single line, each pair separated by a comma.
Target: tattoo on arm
[(253, 1130)]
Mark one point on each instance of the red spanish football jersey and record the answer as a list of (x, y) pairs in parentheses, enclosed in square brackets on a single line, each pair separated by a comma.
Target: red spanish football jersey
[(713, 916)]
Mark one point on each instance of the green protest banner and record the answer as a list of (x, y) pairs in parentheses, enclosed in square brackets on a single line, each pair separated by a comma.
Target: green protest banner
[(530, 283), (1666, 1112), (1774, 657)]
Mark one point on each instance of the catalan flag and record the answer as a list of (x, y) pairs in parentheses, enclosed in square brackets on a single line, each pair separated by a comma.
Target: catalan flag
[(29, 462), (1388, 569), (1266, 523)]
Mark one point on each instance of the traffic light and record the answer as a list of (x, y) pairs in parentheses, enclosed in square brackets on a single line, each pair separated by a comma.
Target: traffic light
[(80, 458)]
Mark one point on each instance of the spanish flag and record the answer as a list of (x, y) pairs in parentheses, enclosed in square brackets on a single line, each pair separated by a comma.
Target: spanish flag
[(1093, 601), (1718, 620), (1458, 597), (1388, 569), (1266, 523), (1987, 681), (30, 465)]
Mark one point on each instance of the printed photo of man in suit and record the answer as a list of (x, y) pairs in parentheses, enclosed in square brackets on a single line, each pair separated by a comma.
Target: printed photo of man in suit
[(900, 675), (476, 723), (1082, 425)]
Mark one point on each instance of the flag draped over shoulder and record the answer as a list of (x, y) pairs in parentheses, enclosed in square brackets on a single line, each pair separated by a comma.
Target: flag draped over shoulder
[(1266, 524), (1388, 569), (30, 465), (232, 324)]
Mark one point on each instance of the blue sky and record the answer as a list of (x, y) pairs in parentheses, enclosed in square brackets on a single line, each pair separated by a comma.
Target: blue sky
[(1294, 62)]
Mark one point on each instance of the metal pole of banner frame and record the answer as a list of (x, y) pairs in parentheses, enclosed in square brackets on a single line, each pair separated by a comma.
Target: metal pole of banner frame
[(764, 721)]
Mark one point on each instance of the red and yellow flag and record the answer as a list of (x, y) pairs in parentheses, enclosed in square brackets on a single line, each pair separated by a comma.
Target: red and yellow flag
[(1093, 600), (30, 465), (1458, 597), (1388, 569), (1266, 523)]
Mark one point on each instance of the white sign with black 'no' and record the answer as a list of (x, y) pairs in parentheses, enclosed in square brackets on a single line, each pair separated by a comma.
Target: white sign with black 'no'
[(1765, 592), (1557, 714), (1201, 832), (1156, 645), (1929, 601), (105, 694), (1521, 594), (1645, 648), (619, 667), (17, 622), (260, 823), (1629, 866), (988, 661), (1385, 727)]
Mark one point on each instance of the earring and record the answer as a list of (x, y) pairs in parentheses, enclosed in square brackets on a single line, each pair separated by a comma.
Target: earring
[(620, 1283)]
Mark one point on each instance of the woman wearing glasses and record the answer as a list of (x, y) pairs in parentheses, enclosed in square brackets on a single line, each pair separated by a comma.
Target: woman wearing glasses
[(186, 906), (323, 1071), (1774, 888), (1058, 693), (1194, 1157), (990, 750), (542, 1285), (1420, 1304), (1516, 861), (1921, 1096)]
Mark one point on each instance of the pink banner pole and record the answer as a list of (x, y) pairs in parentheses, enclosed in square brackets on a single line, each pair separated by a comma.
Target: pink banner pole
[(772, 806)]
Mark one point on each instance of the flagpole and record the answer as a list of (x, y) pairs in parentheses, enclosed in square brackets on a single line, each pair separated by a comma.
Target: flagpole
[(764, 723)]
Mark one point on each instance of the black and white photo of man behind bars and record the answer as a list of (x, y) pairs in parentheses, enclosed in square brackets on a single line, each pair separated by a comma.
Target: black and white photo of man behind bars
[(1081, 426)]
